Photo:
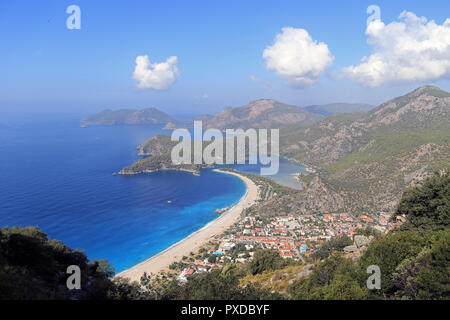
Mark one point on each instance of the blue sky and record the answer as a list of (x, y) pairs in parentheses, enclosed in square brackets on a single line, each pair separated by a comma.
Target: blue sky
[(218, 44)]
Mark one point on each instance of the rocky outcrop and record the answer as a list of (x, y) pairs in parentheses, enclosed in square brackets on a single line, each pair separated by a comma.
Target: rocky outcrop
[(360, 244), (352, 248), (305, 272), (362, 241), (171, 126)]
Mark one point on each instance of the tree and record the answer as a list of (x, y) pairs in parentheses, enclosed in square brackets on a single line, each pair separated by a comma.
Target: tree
[(388, 253), (427, 275), (368, 231), (427, 206), (335, 278), (34, 267), (264, 260), (344, 286), (334, 244)]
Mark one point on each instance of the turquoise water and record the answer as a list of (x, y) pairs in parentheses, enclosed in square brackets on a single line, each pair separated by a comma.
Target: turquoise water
[(58, 176), (285, 175)]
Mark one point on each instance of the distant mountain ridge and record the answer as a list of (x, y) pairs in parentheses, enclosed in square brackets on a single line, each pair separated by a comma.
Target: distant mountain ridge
[(128, 117), (332, 108), (259, 114)]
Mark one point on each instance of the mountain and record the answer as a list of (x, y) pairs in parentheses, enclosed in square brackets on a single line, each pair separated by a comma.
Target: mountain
[(329, 109), (361, 161), (128, 117), (260, 114), (364, 161), (257, 114)]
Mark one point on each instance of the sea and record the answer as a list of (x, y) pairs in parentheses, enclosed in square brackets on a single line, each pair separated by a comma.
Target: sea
[(59, 177)]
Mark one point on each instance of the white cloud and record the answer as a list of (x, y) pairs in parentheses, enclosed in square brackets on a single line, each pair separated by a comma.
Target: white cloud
[(158, 76), (412, 49), (205, 96), (296, 57)]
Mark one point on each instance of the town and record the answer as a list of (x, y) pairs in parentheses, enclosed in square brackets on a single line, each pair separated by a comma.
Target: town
[(293, 236)]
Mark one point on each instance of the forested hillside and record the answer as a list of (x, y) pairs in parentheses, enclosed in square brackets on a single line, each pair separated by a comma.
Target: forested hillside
[(368, 159)]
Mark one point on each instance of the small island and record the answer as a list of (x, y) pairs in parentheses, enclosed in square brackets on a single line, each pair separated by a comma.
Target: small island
[(127, 117)]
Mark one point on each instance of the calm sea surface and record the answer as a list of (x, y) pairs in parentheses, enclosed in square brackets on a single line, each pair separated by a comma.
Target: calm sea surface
[(58, 176)]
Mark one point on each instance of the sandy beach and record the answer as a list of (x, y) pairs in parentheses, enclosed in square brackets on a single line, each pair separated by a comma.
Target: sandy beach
[(194, 241)]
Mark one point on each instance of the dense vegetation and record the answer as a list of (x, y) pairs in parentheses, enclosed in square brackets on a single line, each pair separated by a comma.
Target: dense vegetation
[(267, 260), (370, 158), (34, 267), (214, 285), (333, 279), (334, 244), (427, 206), (414, 261)]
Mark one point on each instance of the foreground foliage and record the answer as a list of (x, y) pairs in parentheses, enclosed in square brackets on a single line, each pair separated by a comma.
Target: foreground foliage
[(34, 267)]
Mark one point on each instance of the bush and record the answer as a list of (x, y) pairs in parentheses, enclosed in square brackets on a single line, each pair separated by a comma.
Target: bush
[(335, 278), (427, 206), (334, 244), (264, 260), (387, 253), (34, 267)]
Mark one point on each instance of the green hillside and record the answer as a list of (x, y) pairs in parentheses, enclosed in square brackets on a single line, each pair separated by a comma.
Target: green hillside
[(369, 158)]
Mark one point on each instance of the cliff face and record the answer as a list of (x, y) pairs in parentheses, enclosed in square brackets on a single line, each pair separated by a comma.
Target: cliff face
[(260, 114), (370, 158), (128, 117)]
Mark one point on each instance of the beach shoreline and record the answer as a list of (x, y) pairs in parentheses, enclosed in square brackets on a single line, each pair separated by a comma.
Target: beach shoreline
[(195, 240)]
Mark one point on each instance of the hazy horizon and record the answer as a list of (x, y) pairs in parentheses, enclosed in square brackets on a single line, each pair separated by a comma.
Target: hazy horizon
[(213, 55)]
